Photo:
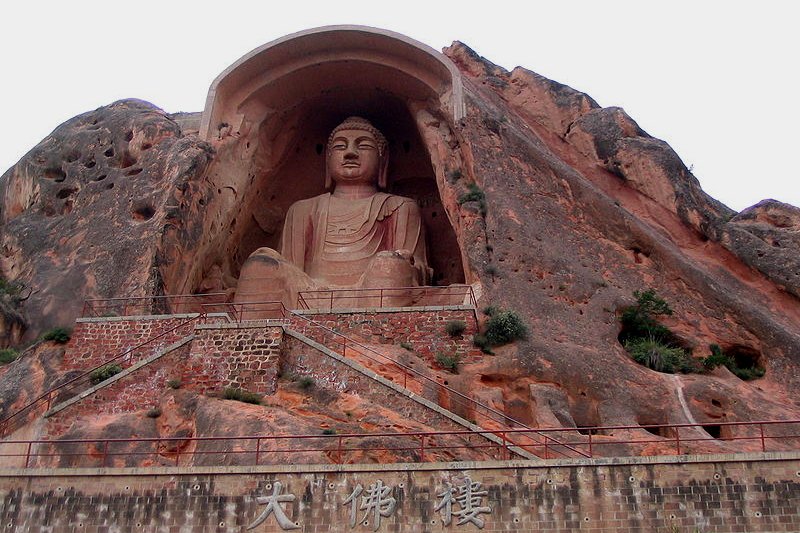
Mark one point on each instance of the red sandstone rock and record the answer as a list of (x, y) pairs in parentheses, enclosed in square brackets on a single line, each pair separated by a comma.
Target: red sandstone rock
[(583, 208)]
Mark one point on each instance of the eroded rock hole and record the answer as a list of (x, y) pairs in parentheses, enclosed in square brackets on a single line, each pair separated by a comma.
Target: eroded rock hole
[(146, 146), (127, 160), (129, 135), (134, 172), (143, 212), (110, 186), (101, 177), (318, 148), (109, 152), (716, 403), (91, 163), (66, 193), (55, 174)]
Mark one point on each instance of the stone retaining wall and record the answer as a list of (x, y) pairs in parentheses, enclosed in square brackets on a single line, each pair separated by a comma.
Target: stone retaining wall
[(230, 355), (96, 340), (685, 494), (423, 329)]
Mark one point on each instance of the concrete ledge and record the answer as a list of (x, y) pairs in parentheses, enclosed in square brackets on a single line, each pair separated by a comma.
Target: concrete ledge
[(403, 467), (245, 324), (129, 318), (350, 311), (131, 369)]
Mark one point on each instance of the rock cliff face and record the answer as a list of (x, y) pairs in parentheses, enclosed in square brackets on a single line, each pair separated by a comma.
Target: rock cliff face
[(583, 208)]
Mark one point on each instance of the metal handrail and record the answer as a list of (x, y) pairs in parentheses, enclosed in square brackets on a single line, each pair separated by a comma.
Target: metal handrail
[(365, 442), (241, 308), (353, 293), (90, 305), (47, 397)]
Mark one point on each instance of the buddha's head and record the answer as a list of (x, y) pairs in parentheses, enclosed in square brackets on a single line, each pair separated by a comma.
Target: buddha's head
[(357, 154)]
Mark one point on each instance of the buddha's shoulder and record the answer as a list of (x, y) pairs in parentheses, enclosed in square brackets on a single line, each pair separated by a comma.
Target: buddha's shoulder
[(309, 204), (391, 204)]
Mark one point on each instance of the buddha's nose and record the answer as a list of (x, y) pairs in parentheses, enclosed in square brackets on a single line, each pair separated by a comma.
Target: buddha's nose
[(351, 153)]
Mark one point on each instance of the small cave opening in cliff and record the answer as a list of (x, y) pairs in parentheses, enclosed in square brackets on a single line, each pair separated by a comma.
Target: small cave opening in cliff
[(747, 362), (652, 425), (289, 165)]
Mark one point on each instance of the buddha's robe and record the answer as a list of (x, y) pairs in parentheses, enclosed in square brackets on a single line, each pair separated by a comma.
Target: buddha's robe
[(333, 240)]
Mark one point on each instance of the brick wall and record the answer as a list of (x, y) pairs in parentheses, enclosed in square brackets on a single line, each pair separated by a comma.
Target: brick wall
[(686, 494), (137, 391), (423, 329), (230, 355), (96, 340)]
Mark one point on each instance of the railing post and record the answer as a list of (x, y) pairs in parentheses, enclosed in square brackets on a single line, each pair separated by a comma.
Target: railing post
[(105, 452), (177, 453), (763, 443), (677, 440), (28, 454), (422, 448), (590, 444), (331, 307), (380, 299), (258, 448), (339, 450), (546, 454), (505, 445)]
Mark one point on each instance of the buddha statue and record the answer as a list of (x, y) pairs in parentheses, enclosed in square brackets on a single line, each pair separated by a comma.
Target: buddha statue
[(353, 237)]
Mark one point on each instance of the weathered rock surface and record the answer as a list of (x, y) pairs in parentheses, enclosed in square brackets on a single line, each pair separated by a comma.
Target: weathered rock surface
[(583, 208), (83, 211)]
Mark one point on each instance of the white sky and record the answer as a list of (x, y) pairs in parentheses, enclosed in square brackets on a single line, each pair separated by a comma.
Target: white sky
[(717, 80)]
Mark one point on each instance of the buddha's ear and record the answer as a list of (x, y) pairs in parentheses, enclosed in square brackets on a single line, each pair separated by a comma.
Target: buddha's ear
[(383, 177)]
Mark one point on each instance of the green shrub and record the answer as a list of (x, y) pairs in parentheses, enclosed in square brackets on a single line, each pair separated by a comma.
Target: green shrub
[(455, 328), (719, 358), (504, 327), (490, 310), (241, 395), (305, 382), (329, 431), (448, 362), (7, 355), (154, 413), (474, 194), (407, 346), (639, 321), (58, 335), (101, 374), (479, 340), (174, 384), (658, 356), (11, 289)]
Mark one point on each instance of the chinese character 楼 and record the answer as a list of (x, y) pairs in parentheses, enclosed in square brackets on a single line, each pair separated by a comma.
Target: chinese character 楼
[(468, 497)]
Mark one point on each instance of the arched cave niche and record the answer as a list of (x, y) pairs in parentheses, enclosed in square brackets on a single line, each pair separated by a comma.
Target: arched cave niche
[(300, 174), (269, 115)]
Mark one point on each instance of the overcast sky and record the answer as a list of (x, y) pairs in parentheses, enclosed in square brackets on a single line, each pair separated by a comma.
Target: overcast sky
[(716, 80)]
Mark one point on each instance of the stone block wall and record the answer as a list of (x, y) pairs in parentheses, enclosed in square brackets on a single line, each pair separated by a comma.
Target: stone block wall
[(423, 329), (688, 494), (231, 355), (138, 391), (96, 340)]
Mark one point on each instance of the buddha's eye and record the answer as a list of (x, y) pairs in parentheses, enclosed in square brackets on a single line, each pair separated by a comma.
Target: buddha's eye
[(339, 146), (366, 145)]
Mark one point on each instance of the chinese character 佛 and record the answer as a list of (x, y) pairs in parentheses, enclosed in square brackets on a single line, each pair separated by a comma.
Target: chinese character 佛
[(468, 498), (376, 499), (274, 506)]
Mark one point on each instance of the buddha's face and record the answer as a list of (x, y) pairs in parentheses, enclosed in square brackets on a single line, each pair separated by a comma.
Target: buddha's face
[(353, 157)]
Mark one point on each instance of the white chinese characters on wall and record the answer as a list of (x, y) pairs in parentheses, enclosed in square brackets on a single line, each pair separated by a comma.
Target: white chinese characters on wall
[(458, 503)]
